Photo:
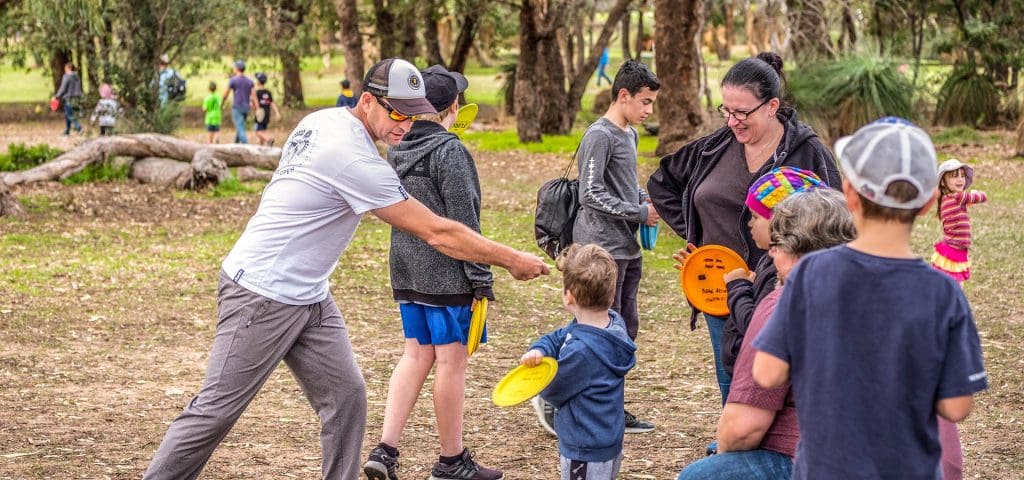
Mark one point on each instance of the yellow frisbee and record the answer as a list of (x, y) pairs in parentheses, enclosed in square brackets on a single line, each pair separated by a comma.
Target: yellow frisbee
[(701, 277), (464, 117), (523, 383), (476, 326)]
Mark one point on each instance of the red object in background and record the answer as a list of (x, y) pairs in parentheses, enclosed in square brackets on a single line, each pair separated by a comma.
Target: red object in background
[(54, 104)]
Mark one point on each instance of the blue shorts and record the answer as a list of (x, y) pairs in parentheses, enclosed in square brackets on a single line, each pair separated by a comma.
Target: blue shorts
[(437, 325)]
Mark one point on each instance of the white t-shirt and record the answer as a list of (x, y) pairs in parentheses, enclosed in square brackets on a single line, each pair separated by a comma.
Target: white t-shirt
[(330, 174)]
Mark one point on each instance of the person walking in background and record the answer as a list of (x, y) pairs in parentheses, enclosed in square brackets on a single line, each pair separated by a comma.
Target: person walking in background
[(435, 293), (700, 190), (212, 107), (274, 296), (347, 97), (242, 101), (265, 105), (602, 64), (106, 111), (70, 95), (165, 75)]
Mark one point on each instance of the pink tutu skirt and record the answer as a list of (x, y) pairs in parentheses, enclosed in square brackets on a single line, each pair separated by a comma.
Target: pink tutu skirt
[(952, 260)]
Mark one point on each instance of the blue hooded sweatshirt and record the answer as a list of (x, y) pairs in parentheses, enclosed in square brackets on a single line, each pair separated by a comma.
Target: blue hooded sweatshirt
[(589, 387)]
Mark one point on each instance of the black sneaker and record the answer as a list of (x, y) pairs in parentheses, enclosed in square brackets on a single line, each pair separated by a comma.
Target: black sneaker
[(545, 414), (635, 425), (464, 469), (381, 466)]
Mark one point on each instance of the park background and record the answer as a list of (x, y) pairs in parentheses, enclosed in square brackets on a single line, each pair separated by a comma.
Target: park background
[(107, 304)]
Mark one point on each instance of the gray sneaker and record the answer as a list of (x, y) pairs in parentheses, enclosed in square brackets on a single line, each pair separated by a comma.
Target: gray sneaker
[(635, 425), (545, 414), (381, 466), (464, 469)]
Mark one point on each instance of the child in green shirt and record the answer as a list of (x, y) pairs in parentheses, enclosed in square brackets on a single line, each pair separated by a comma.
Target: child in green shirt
[(212, 106)]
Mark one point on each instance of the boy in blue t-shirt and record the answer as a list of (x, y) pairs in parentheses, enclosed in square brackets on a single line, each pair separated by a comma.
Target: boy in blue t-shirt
[(875, 341), (594, 354)]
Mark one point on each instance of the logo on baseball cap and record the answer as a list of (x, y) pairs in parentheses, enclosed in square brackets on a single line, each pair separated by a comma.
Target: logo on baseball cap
[(401, 83)]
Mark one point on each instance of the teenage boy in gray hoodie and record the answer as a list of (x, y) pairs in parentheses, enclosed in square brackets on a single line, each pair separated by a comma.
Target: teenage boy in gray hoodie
[(612, 206), (594, 354), (435, 292)]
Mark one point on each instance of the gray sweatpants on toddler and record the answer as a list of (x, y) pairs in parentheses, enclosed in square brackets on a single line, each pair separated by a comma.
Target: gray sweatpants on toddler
[(254, 334), (577, 470)]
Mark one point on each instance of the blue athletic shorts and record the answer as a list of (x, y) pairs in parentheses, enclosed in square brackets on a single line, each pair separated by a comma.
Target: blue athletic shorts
[(437, 325)]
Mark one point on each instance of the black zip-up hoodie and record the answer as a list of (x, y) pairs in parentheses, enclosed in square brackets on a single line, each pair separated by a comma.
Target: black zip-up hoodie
[(436, 169), (672, 186)]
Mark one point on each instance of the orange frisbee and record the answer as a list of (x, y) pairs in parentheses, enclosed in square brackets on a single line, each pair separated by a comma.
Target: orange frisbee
[(701, 277)]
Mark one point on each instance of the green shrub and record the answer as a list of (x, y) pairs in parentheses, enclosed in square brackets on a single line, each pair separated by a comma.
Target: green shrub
[(231, 187), (21, 157), (844, 94), (968, 98), (105, 171)]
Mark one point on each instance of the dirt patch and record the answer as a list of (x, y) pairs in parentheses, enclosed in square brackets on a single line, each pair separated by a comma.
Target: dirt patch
[(107, 311)]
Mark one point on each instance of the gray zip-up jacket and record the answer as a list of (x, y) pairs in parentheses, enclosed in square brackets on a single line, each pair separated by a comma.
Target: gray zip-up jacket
[(436, 169), (70, 86), (610, 207)]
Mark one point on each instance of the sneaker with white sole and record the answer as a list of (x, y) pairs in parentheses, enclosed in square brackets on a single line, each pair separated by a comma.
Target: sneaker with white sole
[(635, 425), (545, 414), (465, 468), (380, 465)]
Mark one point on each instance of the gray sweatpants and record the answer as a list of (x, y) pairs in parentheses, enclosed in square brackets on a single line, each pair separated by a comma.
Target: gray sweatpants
[(578, 470), (253, 335)]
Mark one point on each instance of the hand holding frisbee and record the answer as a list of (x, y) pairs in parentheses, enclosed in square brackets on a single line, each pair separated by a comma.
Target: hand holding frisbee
[(476, 326), (701, 277), (524, 383)]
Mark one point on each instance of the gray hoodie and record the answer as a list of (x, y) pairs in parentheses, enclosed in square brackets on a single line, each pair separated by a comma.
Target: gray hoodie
[(436, 169)]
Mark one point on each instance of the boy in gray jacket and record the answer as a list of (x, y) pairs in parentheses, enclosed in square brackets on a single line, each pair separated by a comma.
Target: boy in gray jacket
[(435, 293)]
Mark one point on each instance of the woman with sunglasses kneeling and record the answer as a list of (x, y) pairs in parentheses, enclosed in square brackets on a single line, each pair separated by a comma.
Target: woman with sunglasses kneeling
[(700, 190)]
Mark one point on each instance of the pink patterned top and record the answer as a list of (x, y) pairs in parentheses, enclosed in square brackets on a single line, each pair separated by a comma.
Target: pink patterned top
[(956, 224)]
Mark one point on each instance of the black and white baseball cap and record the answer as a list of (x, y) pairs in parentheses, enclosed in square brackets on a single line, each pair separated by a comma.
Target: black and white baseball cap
[(401, 84), (885, 151)]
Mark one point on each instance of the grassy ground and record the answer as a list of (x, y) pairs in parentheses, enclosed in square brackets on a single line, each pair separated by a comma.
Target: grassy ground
[(107, 311)]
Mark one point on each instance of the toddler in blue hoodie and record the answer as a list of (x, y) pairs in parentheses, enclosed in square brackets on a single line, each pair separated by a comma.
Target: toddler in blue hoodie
[(594, 354)]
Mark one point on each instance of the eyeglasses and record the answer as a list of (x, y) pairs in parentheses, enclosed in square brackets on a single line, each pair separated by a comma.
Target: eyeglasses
[(392, 113), (739, 114)]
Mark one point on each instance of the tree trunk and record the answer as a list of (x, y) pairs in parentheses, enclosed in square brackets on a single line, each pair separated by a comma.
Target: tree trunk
[(289, 16), (528, 104), (464, 42), (291, 69), (810, 38), (431, 40), (352, 42), (57, 62), (9, 205), (627, 50), (640, 37), (728, 13), (141, 146), (405, 32), (1018, 145), (677, 26)]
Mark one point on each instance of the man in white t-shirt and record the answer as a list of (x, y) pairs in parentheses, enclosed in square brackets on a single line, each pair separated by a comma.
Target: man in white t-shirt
[(274, 300)]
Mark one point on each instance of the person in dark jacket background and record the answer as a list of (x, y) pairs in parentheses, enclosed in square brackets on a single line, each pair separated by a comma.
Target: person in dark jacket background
[(70, 94), (436, 293), (700, 190)]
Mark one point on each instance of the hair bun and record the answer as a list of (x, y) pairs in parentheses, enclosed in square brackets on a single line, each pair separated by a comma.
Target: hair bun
[(773, 59)]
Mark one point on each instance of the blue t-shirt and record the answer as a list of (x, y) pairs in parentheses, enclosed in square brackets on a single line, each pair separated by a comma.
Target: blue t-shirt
[(872, 343), (242, 87)]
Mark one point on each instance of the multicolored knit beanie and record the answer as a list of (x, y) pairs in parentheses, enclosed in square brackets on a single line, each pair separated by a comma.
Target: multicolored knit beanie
[(776, 185)]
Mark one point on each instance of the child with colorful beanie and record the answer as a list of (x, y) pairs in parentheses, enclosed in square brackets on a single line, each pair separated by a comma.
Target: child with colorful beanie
[(745, 290)]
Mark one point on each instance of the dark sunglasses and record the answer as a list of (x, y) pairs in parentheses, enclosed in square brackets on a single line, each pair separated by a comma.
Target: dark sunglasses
[(739, 114), (392, 113)]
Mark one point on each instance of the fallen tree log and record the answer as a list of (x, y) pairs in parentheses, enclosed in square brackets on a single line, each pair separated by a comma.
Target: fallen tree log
[(146, 145), (9, 205)]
